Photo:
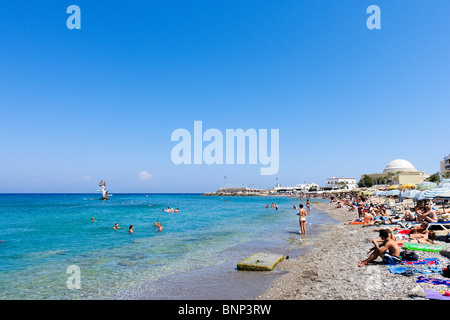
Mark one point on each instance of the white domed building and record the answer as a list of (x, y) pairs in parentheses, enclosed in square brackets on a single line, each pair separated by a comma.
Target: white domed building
[(399, 165), (400, 171)]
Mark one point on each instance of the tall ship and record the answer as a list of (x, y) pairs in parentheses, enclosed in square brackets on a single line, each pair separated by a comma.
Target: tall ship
[(105, 194)]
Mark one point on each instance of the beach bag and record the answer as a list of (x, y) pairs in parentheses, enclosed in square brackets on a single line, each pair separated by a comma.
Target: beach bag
[(409, 256), (446, 271)]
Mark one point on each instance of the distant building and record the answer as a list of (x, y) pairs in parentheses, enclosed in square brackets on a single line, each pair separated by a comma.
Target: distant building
[(299, 188), (399, 171), (340, 183), (445, 167), (238, 191)]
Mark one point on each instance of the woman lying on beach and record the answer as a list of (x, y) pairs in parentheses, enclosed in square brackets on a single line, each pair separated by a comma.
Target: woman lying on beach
[(419, 234), (413, 238)]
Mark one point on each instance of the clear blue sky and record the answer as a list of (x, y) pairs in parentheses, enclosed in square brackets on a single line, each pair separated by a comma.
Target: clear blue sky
[(101, 102)]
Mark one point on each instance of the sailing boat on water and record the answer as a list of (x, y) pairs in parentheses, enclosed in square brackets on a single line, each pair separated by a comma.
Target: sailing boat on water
[(105, 194)]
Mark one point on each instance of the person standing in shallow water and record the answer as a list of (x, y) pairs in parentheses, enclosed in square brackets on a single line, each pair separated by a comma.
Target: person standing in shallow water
[(302, 220)]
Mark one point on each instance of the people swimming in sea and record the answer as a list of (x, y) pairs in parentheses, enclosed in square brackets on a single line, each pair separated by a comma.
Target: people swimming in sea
[(116, 226), (158, 226), (93, 220), (130, 229)]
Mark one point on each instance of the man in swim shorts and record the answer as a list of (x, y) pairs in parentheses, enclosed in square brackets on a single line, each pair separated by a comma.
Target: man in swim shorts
[(388, 250)]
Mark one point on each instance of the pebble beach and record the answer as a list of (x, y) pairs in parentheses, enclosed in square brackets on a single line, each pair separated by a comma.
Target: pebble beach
[(330, 272)]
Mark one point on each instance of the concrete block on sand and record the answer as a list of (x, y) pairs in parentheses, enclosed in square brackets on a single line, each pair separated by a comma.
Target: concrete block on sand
[(260, 262)]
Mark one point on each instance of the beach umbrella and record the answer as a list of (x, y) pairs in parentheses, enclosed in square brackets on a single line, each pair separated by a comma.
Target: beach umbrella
[(444, 185), (393, 187), (410, 193), (435, 193), (408, 186), (419, 196), (427, 185), (393, 192), (445, 195), (429, 194)]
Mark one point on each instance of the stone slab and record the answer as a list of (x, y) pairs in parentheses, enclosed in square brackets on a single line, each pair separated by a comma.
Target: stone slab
[(260, 262)]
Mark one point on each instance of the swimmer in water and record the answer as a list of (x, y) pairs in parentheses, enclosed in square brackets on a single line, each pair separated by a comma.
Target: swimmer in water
[(130, 229), (92, 219), (116, 227)]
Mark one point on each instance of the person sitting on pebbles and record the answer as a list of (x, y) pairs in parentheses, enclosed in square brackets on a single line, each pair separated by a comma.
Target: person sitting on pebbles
[(388, 249)]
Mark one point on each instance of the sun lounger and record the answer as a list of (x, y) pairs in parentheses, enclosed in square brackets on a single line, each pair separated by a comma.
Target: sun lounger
[(443, 225)]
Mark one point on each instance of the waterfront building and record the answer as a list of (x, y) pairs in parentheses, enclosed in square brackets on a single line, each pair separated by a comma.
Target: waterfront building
[(399, 172), (335, 183)]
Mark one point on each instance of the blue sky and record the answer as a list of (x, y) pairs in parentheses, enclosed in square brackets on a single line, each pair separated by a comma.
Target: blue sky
[(102, 102)]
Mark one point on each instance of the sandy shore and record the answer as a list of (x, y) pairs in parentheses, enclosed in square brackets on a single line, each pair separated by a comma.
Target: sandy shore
[(330, 271)]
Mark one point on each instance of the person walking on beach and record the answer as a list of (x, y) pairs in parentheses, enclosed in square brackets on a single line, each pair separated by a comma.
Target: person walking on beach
[(302, 213), (308, 206)]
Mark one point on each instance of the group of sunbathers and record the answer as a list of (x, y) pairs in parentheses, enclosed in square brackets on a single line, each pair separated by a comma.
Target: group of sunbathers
[(422, 212), (373, 213)]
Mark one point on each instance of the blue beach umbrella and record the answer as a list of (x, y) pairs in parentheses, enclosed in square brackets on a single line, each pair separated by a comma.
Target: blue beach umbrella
[(444, 185), (410, 194), (430, 194), (419, 196), (393, 192), (445, 195), (427, 186)]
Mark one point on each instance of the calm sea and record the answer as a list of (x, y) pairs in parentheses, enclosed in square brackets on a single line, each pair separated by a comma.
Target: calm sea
[(42, 235)]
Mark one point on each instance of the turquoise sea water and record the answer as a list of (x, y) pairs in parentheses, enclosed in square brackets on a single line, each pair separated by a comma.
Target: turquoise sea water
[(42, 235)]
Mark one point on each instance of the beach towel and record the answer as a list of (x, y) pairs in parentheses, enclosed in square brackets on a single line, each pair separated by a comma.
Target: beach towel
[(428, 261), (432, 294), (423, 247), (409, 271), (433, 281)]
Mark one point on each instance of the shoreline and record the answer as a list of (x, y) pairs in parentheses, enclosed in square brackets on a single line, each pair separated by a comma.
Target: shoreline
[(329, 271), (224, 281)]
